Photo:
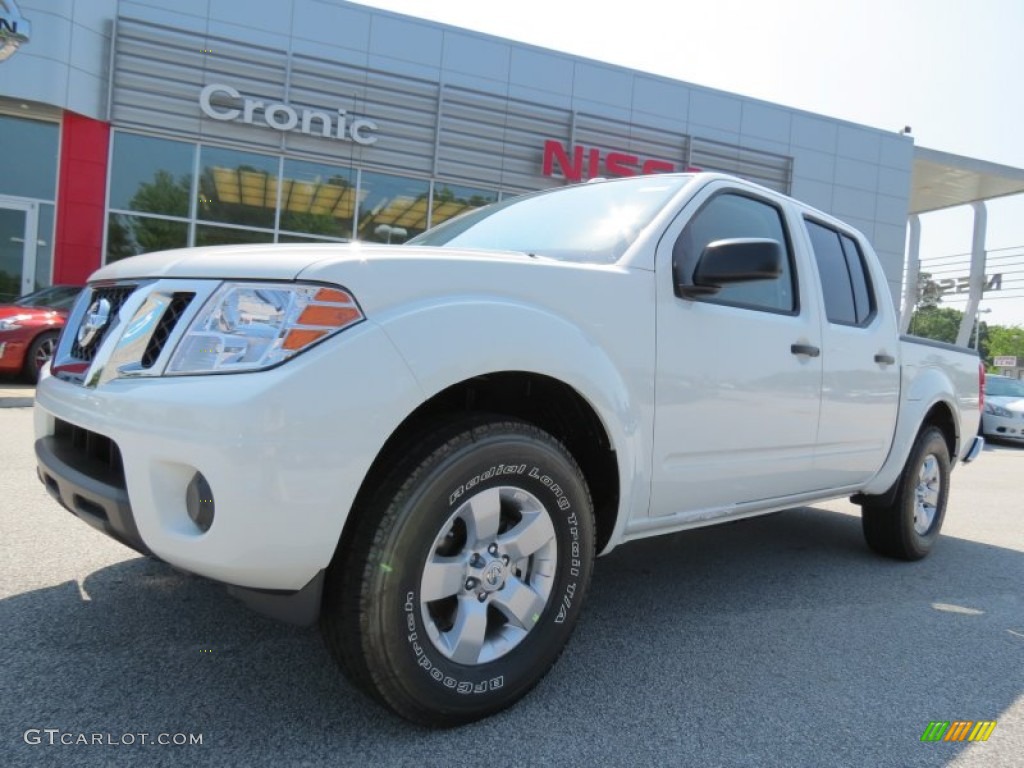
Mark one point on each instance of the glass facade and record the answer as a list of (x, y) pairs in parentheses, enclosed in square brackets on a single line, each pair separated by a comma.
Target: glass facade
[(237, 187), (30, 158), (173, 194), (44, 245), (132, 235), (393, 209), (318, 199), (450, 201), (208, 235), (151, 175), (29, 178)]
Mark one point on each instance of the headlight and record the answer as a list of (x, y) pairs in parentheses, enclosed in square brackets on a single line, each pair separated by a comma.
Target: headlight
[(252, 326), (998, 410), (12, 323)]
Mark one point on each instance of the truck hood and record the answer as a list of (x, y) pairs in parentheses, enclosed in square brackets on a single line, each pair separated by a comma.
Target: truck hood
[(274, 262)]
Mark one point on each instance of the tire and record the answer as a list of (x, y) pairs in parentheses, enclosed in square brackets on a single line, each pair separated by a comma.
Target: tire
[(461, 582), (40, 353), (908, 528)]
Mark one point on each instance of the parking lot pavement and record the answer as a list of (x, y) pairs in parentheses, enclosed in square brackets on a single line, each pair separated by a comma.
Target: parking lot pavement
[(779, 641)]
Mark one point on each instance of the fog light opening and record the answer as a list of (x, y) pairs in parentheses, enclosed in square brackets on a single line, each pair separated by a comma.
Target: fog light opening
[(199, 502)]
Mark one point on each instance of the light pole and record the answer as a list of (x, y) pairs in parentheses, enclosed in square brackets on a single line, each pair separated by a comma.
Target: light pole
[(977, 326), (386, 230)]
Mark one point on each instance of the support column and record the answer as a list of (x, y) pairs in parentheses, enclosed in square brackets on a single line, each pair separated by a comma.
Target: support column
[(910, 288), (976, 287)]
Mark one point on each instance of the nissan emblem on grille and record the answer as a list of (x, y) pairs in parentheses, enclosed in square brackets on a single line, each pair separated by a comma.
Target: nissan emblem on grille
[(96, 320)]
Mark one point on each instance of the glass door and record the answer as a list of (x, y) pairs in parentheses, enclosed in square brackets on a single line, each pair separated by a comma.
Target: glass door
[(18, 230)]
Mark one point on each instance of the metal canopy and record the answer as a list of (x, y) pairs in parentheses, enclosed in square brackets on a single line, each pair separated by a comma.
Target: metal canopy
[(943, 180)]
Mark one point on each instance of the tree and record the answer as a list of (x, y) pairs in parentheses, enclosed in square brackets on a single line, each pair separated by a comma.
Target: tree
[(1003, 340), (943, 324), (163, 195), (131, 235), (929, 294), (937, 323)]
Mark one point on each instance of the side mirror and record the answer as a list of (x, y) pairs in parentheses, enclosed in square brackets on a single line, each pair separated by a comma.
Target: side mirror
[(738, 260)]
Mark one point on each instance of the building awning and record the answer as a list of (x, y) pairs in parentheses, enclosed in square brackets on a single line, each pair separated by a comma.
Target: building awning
[(943, 180)]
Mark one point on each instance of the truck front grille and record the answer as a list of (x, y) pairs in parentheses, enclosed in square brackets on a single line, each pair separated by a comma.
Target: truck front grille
[(169, 319), (116, 295)]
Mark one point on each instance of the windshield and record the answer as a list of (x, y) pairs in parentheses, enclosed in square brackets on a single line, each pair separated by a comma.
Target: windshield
[(1003, 387), (55, 297), (594, 222)]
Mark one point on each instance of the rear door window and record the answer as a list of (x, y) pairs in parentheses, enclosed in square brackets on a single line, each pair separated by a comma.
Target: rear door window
[(844, 279)]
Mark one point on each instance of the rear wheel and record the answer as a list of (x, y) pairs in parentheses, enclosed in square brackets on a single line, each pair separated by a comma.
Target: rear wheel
[(40, 353), (908, 527), (465, 574)]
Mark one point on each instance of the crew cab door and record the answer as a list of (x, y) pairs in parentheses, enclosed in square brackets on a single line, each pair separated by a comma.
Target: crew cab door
[(738, 376), (860, 358)]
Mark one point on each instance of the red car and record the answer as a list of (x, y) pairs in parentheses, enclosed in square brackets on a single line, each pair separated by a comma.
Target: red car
[(29, 328)]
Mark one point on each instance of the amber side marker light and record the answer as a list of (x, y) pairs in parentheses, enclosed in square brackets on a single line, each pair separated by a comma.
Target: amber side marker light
[(330, 310)]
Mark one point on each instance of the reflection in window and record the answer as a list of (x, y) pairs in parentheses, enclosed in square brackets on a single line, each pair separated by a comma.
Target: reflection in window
[(44, 247), (317, 199), (450, 201), (132, 235), (237, 187), (206, 235), (151, 175), (12, 253), (392, 209), (30, 157)]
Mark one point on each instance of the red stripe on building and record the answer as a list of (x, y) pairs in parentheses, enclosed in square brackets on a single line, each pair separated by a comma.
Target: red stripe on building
[(81, 196)]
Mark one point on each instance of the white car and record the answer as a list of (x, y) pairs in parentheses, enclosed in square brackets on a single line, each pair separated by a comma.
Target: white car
[(1003, 416)]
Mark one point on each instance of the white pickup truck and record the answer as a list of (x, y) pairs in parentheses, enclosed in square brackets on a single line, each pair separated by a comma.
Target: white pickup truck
[(426, 445)]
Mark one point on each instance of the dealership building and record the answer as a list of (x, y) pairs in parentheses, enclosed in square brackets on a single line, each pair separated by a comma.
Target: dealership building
[(141, 125)]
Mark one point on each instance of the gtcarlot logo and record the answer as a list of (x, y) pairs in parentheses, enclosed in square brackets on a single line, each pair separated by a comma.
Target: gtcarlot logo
[(958, 730), (56, 736)]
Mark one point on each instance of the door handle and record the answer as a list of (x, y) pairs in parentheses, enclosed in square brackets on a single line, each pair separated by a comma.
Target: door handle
[(884, 359), (804, 349)]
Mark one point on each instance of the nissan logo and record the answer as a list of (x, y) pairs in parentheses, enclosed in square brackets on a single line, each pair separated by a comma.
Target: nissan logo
[(493, 574), (14, 29), (96, 319)]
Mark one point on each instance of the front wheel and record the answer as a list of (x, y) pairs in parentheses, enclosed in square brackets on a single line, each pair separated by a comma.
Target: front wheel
[(908, 527), (464, 576)]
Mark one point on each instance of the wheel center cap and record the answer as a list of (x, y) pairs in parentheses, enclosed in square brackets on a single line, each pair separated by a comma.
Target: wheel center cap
[(493, 577)]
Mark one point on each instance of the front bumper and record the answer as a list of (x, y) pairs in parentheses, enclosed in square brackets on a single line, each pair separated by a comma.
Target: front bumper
[(12, 355), (1003, 427), (284, 451), (977, 445), (94, 492), (89, 488)]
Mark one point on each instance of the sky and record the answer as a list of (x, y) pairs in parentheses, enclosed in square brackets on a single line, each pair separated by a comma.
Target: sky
[(950, 69)]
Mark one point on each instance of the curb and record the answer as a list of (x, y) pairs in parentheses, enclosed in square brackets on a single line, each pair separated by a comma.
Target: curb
[(14, 396), (16, 402)]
